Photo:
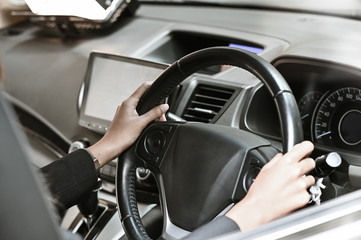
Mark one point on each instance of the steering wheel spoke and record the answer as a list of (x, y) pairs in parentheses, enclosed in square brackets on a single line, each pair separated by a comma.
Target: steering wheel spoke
[(154, 142)]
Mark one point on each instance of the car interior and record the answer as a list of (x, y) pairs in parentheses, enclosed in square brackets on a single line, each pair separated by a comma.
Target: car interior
[(244, 81)]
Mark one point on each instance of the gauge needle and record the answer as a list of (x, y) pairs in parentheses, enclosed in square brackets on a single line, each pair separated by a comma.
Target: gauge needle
[(304, 116), (323, 134)]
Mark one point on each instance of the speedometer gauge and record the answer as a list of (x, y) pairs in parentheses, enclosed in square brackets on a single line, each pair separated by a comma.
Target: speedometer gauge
[(338, 119), (307, 105)]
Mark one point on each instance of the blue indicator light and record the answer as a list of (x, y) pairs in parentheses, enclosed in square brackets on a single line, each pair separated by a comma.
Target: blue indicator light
[(255, 50)]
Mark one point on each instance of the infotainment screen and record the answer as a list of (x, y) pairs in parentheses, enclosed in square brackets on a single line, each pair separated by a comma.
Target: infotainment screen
[(109, 80)]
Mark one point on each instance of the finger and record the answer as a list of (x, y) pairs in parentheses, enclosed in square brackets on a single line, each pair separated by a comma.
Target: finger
[(299, 151), (137, 94), (162, 118), (307, 181), (155, 113), (274, 160), (301, 199), (133, 99), (277, 157), (306, 165)]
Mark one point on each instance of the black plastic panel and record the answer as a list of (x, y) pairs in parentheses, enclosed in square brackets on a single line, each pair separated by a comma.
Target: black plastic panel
[(262, 116), (181, 43)]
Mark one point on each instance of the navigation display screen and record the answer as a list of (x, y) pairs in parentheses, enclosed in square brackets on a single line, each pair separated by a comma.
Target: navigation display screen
[(109, 80)]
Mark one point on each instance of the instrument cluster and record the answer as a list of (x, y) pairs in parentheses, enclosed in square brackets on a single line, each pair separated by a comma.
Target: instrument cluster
[(329, 101), (333, 118)]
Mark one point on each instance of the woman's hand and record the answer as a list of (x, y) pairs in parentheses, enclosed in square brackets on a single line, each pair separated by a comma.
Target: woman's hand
[(280, 188), (126, 127)]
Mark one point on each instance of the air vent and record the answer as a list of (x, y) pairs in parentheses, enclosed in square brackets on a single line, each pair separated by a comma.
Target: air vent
[(206, 102)]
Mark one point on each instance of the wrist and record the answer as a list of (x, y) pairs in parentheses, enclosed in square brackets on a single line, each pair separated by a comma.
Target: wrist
[(100, 153), (246, 214), (105, 151), (95, 160)]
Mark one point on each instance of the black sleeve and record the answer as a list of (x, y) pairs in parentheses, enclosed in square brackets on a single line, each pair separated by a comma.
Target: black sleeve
[(217, 227), (70, 178)]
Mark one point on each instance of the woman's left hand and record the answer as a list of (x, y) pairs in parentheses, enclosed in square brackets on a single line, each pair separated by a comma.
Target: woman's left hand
[(126, 127)]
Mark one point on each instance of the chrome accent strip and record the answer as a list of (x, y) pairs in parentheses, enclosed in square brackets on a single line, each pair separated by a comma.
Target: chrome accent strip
[(170, 231)]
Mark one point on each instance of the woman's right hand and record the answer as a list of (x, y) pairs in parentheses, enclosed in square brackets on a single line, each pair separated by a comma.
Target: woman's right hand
[(280, 188)]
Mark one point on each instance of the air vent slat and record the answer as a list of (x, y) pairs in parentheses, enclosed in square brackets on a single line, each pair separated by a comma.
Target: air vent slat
[(196, 119), (206, 105), (203, 110), (206, 102), (209, 99), (226, 91)]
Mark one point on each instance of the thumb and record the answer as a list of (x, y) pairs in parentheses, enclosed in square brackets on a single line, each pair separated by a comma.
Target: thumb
[(155, 113)]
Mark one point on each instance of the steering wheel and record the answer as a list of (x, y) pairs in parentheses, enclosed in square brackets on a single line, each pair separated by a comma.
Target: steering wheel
[(200, 169)]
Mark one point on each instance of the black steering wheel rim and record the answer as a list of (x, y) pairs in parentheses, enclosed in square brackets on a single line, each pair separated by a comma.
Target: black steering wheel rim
[(281, 93)]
